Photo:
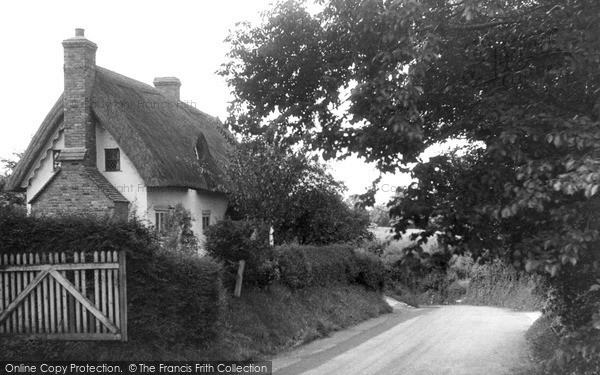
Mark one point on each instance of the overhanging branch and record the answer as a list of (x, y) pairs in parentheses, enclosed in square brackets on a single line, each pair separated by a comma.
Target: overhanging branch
[(480, 26)]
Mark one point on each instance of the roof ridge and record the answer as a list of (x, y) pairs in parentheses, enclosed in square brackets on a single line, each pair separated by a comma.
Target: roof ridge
[(126, 80)]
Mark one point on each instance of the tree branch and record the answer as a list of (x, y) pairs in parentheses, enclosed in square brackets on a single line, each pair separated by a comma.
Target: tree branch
[(480, 26)]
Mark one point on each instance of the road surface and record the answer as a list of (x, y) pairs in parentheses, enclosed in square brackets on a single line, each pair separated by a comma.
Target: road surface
[(436, 340)]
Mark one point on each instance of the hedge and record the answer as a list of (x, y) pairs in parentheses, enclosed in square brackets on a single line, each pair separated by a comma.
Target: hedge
[(304, 266), (231, 241), (171, 297), (297, 266)]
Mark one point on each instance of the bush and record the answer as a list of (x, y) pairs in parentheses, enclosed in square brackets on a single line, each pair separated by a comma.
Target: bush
[(294, 267), (231, 241), (371, 271), (175, 298), (326, 220), (429, 276), (177, 234), (171, 297), (304, 266), (376, 246)]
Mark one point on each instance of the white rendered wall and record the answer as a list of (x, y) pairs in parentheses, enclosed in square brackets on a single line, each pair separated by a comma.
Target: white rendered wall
[(44, 170), (193, 200), (200, 201), (128, 181)]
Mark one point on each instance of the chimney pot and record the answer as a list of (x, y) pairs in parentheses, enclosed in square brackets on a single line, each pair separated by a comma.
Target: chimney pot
[(79, 32), (168, 86)]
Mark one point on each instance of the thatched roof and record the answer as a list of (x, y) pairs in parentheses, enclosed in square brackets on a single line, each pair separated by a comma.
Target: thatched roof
[(159, 135), (37, 148)]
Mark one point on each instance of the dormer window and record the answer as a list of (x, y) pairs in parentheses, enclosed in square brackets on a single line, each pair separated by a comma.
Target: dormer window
[(112, 159), (201, 149), (55, 162)]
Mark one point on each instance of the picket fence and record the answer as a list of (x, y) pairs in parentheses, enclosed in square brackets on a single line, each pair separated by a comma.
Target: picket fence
[(58, 296)]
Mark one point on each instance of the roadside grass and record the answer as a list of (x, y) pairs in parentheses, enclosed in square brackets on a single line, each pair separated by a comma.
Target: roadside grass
[(255, 326), (261, 323), (498, 284), (464, 281), (542, 337), (544, 342)]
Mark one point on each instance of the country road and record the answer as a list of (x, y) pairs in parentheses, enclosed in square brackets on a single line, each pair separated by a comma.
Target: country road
[(435, 340)]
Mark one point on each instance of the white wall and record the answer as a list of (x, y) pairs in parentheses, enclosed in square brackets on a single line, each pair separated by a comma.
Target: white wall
[(128, 181), (193, 200), (200, 201), (45, 169)]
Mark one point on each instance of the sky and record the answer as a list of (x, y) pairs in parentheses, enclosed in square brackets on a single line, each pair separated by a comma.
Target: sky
[(141, 40)]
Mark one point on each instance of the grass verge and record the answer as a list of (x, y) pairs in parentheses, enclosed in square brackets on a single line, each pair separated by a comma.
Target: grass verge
[(261, 323), (497, 284), (257, 325)]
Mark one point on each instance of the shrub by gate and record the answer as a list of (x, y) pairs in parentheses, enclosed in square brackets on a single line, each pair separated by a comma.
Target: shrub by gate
[(79, 296)]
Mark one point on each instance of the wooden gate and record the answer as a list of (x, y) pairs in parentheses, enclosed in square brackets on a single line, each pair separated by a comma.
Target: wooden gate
[(80, 296)]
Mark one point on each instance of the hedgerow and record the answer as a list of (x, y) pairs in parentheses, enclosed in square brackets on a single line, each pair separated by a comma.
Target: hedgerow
[(172, 297), (297, 266), (231, 241), (304, 266)]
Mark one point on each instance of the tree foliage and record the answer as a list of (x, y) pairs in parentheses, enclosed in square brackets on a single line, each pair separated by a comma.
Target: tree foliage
[(177, 234), (8, 197), (380, 216), (293, 193), (517, 80)]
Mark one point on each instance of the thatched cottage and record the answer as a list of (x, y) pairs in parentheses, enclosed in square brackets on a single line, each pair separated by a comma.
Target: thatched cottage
[(114, 146)]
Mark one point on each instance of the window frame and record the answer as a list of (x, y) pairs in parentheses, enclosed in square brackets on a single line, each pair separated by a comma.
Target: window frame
[(205, 220), (160, 218), (55, 163), (117, 160)]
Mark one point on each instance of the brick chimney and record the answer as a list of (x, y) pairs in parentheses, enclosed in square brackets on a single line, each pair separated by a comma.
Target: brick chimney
[(168, 86), (80, 73)]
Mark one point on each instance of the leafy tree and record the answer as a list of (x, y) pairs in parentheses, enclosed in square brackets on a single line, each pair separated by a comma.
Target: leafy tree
[(380, 215), (517, 80), (292, 193), (321, 217), (7, 197)]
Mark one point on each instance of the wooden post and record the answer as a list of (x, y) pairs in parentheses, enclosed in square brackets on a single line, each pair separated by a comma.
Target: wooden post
[(240, 278), (123, 294)]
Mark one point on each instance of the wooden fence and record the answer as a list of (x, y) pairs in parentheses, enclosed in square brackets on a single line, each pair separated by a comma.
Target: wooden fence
[(80, 296)]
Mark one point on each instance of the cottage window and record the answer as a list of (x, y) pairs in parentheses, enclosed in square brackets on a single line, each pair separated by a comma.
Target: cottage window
[(205, 219), (160, 220), (55, 162), (112, 159)]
